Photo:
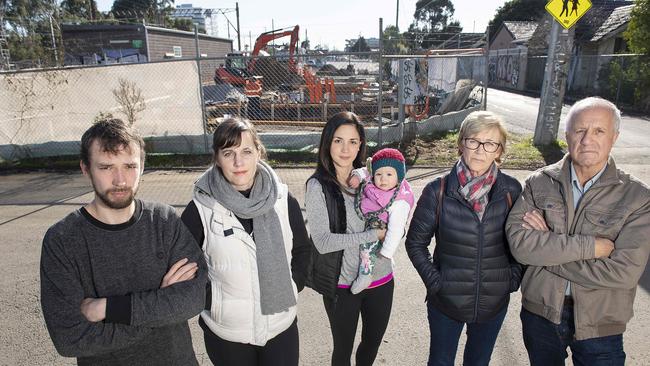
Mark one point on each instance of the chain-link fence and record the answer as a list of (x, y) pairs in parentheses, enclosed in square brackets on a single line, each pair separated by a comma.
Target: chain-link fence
[(624, 79), (176, 104)]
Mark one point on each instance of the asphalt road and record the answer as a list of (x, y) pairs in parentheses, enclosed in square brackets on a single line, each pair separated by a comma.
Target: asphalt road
[(520, 114), (31, 202)]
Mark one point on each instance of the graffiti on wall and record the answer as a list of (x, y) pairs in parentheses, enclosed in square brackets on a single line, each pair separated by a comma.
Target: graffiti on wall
[(504, 69)]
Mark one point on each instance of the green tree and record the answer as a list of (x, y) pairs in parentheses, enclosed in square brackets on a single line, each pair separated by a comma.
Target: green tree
[(33, 32), (184, 24), (360, 45), (80, 9), (637, 36), (433, 15), (394, 43), (152, 11), (432, 24), (516, 10)]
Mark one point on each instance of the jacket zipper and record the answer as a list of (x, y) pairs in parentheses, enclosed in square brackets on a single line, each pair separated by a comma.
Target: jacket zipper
[(576, 212), (480, 255), (478, 266)]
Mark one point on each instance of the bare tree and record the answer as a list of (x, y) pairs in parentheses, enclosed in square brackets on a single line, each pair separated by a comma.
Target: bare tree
[(130, 99)]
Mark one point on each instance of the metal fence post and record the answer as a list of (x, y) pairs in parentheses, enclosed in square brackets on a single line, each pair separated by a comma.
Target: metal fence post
[(198, 68), (487, 66), (621, 64), (380, 97)]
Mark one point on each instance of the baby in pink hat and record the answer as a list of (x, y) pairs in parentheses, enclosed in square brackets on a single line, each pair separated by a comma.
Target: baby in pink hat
[(385, 201)]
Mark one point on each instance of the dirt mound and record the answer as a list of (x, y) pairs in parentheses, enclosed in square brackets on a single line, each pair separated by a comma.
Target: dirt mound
[(330, 70), (275, 73)]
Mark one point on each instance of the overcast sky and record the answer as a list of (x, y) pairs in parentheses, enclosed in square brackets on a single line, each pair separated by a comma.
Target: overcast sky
[(331, 22)]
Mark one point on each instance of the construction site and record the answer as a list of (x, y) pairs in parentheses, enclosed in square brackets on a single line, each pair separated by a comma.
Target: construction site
[(290, 88), (288, 92)]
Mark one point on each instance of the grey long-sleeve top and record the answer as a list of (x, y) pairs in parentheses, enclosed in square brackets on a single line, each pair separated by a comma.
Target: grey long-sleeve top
[(145, 325), (325, 241)]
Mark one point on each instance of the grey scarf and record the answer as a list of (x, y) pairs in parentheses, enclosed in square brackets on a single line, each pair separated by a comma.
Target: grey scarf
[(276, 291)]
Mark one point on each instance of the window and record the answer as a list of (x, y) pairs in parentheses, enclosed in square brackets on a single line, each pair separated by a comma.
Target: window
[(178, 51)]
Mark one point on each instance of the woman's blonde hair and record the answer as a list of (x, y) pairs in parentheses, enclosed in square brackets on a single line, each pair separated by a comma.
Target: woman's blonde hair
[(479, 121)]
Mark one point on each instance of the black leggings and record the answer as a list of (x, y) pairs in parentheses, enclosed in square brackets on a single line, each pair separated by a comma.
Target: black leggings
[(281, 350), (374, 305)]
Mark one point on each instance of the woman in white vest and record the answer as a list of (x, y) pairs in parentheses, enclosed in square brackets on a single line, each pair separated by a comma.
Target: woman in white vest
[(254, 239)]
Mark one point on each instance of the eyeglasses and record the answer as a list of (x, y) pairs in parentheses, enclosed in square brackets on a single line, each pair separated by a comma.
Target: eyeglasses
[(474, 144)]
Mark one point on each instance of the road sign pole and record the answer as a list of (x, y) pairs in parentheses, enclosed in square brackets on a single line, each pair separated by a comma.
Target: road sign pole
[(552, 96)]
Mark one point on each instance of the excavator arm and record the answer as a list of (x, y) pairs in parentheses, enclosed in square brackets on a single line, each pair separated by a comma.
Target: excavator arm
[(267, 37)]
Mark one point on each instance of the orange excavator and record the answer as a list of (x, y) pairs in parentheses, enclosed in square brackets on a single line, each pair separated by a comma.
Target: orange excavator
[(236, 70)]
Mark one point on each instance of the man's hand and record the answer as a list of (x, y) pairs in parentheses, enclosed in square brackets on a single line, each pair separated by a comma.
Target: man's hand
[(603, 247), (354, 181), (94, 310), (179, 272), (533, 220)]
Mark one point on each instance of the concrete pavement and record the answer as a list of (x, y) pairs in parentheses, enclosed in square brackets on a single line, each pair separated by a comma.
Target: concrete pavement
[(32, 202)]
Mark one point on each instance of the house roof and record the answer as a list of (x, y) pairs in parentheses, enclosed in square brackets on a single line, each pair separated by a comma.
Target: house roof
[(596, 18), (521, 31), (619, 17)]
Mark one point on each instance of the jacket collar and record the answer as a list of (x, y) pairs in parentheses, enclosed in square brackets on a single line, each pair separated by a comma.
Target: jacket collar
[(561, 172)]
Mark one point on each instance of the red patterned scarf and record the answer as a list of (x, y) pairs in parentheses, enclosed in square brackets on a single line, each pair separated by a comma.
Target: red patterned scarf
[(475, 190)]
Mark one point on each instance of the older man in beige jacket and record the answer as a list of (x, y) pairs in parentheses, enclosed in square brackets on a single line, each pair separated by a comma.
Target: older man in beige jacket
[(582, 227)]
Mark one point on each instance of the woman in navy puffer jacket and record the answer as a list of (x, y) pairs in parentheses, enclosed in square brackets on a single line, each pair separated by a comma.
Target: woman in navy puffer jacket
[(472, 273)]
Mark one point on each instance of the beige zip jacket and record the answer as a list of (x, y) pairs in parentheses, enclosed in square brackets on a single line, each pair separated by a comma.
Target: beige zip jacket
[(616, 207)]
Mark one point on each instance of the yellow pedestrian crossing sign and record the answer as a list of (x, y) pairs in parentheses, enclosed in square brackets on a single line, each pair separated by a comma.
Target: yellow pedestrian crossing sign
[(568, 12)]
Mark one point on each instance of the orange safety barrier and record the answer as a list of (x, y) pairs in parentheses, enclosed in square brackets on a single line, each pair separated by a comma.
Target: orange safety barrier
[(253, 88)]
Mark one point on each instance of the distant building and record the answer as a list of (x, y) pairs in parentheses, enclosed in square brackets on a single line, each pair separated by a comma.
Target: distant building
[(513, 35), (517, 52), (205, 19), (129, 43), (136, 43)]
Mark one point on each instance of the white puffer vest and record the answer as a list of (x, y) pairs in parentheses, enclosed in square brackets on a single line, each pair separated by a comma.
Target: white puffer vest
[(235, 313)]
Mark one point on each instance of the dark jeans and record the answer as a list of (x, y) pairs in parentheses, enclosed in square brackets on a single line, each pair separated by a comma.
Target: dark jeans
[(445, 333), (546, 342), (281, 350), (374, 305)]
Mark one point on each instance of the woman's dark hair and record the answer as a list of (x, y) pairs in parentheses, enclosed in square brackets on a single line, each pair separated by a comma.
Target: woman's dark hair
[(228, 134), (325, 167)]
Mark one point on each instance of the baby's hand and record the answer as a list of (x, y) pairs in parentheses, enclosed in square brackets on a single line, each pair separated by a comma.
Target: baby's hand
[(354, 181)]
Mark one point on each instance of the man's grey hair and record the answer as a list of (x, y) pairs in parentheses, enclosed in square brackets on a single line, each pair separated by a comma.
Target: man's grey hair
[(593, 102)]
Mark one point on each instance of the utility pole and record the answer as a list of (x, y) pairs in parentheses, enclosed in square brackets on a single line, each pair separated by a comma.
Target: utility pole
[(56, 56), (552, 96), (486, 77), (380, 97), (273, 41), (397, 17), (238, 30)]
